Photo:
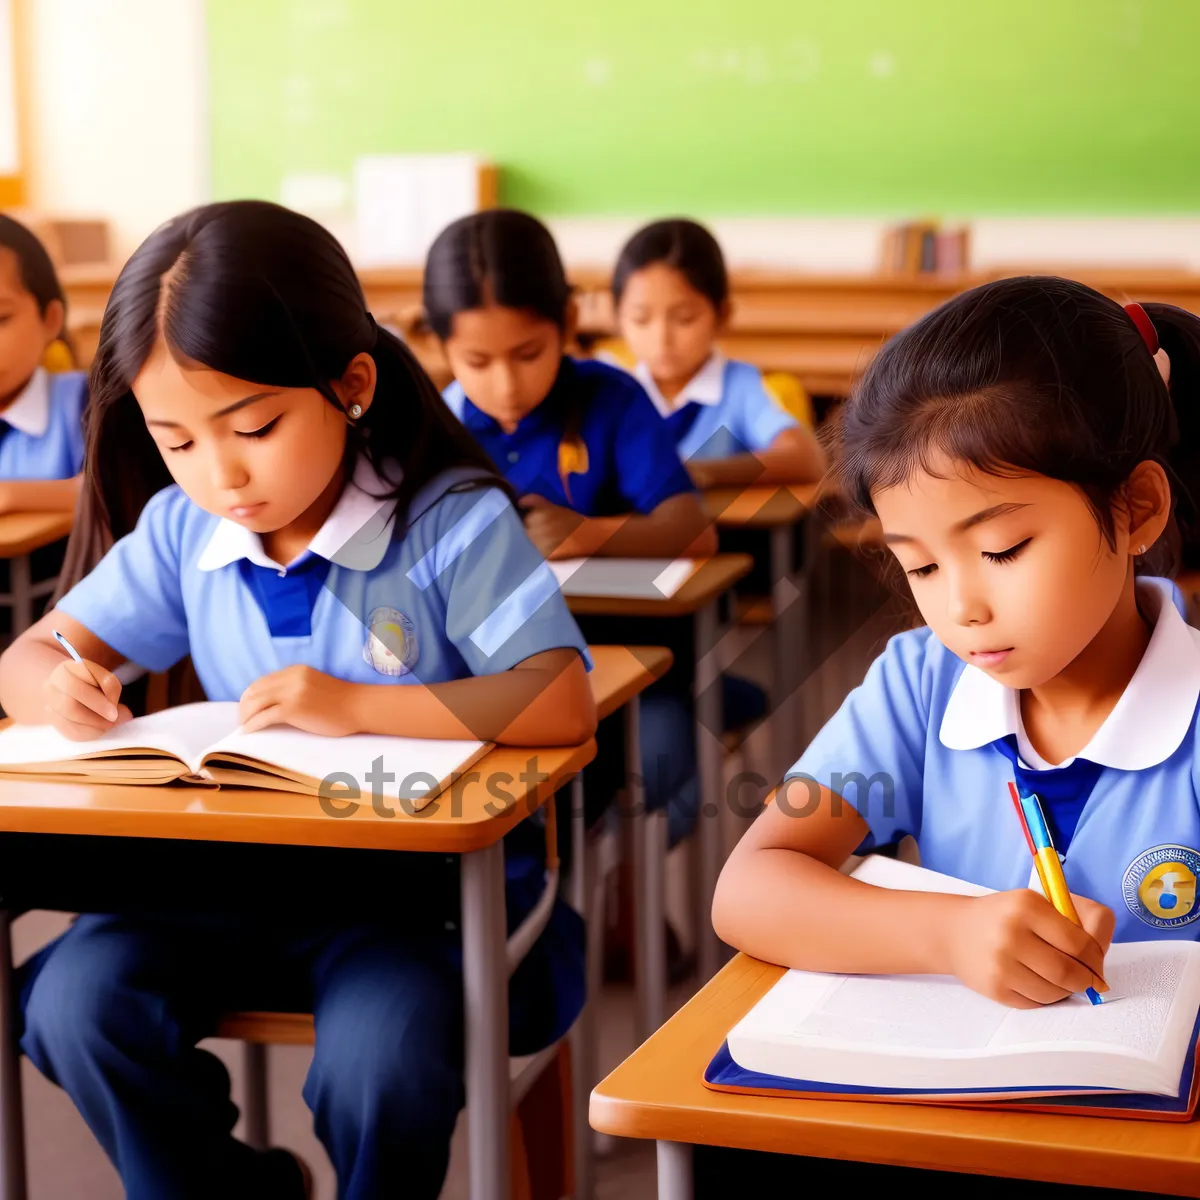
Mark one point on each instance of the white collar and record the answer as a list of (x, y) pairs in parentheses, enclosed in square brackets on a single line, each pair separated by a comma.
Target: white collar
[(707, 386), (29, 413), (356, 534), (1146, 727)]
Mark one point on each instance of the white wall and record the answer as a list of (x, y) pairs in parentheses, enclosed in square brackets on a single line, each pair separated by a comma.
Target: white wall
[(118, 126)]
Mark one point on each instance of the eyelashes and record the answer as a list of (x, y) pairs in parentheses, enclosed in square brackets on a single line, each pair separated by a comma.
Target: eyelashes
[(998, 556), (261, 431), (1003, 556)]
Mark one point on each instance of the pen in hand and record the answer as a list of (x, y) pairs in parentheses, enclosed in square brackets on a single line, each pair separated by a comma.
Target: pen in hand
[(1049, 868), (77, 657)]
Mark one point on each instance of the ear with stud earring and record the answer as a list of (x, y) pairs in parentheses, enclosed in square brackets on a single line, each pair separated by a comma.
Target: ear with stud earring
[(1141, 549), (355, 411)]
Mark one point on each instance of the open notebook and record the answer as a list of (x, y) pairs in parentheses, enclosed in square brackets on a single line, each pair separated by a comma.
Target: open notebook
[(931, 1038), (623, 578), (201, 743)]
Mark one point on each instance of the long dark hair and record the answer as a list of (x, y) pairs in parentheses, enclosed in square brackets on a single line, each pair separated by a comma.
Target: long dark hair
[(1035, 374), (263, 294), (685, 245), (498, 256)]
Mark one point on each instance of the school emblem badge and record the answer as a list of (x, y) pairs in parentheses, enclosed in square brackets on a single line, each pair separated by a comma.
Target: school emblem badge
[(391, 646), (1160, 886)]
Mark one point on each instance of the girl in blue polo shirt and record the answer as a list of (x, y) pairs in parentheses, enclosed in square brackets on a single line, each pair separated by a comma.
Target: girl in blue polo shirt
[(575, 438), (297, 511), (41, 415), (1027, 448), (671, 294)]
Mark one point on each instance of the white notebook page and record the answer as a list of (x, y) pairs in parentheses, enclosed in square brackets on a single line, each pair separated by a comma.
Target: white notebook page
[(623, 578)]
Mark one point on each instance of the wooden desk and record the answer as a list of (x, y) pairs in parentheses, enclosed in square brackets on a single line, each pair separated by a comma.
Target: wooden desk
[(464, 819), (658, 1093), (20, 535), (823, 328), (697, 598)]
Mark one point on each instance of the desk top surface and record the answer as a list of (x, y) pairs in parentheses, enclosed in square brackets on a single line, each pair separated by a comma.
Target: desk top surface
[(658, 1092), (712, 577), (502, 788)]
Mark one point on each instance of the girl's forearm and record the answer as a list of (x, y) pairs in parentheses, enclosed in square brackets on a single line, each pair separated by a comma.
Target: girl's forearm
[(793, 910), (39, 495), (529, 706)]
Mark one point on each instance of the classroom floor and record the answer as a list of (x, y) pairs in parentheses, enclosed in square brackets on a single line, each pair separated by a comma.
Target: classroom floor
[(65, 1161)]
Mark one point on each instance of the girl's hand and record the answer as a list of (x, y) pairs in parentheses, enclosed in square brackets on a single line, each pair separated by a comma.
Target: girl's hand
[(82, 700), (701, 473), (550, 527), (1014, 947), (301, 697)]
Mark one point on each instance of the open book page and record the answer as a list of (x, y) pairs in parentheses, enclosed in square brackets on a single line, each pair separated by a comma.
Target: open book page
[(625, 578), (934, 1032), (183, 733), (421, 767), (881, 871)]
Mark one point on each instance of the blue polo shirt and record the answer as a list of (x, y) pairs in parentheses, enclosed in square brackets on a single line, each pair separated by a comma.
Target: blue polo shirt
[(41, 431), (927, 745), (631, 462), (724, 410), (455, 589)]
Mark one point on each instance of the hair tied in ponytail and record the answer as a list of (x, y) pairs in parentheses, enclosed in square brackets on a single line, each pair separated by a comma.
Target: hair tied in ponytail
[(1137, 314)]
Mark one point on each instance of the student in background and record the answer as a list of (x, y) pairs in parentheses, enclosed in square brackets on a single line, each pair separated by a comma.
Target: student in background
[(1026, 448), (671, 294), (41, 414), (578, 440), (298, 512)]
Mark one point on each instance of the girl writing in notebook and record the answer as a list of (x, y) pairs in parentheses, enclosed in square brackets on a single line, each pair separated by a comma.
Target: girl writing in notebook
[(41, 414), (594, 466), (595, 470), (297, 511), (671, 294), (1027, 448)]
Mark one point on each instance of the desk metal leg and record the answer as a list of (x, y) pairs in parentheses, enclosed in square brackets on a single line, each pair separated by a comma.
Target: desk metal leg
[(22, 594), (709, 753), (485, 996), (582, 1035), (675, 1171), (12, 1124), (649, 884)]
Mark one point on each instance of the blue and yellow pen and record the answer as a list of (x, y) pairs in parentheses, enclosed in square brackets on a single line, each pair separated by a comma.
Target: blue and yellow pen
[(1046, 860)]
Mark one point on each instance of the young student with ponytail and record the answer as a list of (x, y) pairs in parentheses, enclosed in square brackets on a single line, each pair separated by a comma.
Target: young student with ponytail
[(671, 294), (593, 464), (594, 467), (41, 414), (297, 511), (1032, 451)]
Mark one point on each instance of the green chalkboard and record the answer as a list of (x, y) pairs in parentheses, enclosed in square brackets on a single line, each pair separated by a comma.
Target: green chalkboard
[(720, 107)]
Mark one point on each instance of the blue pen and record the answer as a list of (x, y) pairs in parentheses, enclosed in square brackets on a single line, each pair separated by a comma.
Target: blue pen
[(1050, 868)]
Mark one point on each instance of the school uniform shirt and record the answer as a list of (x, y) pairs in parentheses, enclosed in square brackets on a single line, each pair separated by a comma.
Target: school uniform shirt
[(628, 461), (927, 746), (455, 589), (724, 410), (41, 431)]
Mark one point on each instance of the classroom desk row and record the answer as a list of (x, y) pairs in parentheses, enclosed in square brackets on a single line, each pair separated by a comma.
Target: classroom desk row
[(658, 1093), (472, 827), (822, 328)]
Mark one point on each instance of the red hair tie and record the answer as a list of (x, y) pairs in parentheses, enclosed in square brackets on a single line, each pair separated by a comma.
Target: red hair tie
[(1145, 326)]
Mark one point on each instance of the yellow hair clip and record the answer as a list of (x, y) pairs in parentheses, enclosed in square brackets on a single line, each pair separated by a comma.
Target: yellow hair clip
[(572, 460)]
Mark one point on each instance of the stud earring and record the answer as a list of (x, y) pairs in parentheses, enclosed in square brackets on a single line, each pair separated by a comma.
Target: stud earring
[(1141, 549), (356, 411)]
